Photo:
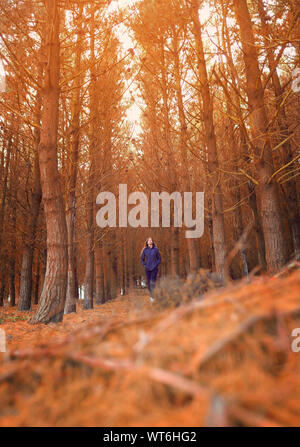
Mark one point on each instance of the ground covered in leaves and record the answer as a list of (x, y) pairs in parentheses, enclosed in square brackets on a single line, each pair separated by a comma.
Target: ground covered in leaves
[(222, 359)]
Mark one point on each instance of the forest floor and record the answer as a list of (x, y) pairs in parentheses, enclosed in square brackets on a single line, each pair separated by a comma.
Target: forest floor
[(223, 360)]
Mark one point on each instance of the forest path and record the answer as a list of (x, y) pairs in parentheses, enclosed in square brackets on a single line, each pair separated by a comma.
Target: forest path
[(21, 335), (224, 360)]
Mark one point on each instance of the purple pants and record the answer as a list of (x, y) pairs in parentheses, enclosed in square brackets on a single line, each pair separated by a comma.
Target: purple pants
[(151, 278)]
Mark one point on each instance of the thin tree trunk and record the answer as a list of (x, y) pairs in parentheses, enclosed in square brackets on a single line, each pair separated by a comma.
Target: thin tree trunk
[(27, 257), (2, 215), (184, 150), (72, 288), (89, 271), (13, 255), (28, 253), (99, 282), (171, 164), (218, 225), (14, 179), (88, 302), (238, 218), (37, 281), (174, 252), (106, 270)]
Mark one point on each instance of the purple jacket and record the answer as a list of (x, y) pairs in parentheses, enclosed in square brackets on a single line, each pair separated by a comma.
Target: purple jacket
[(150, 258)]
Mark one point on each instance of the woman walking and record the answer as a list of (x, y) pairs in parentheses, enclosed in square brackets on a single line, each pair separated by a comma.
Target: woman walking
[(150, 259)]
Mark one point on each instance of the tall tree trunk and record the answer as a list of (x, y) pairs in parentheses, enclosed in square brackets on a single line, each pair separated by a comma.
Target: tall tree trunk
[(90, 260), (13, 257), (238, 218), (174, 252), (53, 295), (2, 215), (262, 153), (72, 288), (37, 280), (106, 269), (99, 280), (244, 149), (218, 226), (285, 151), (27, 256), (170, 163), (88, 302), (183, 149), (127, 255), (14, 179), (116, 274)]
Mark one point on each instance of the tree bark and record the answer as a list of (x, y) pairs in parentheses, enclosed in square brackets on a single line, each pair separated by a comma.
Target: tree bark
[(268, 192), (90, 260), (72, 289), (2, 215), (53, 295), (286, 155), (37, 281), (218, 226), (88, 302), (185, 181), (244, 149), (99, 280), (27, 256)]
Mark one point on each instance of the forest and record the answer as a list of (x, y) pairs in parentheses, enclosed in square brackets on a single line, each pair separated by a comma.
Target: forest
[(167, 98)]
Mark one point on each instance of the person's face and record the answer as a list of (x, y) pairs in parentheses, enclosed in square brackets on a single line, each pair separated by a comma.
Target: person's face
[(150, 243)]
